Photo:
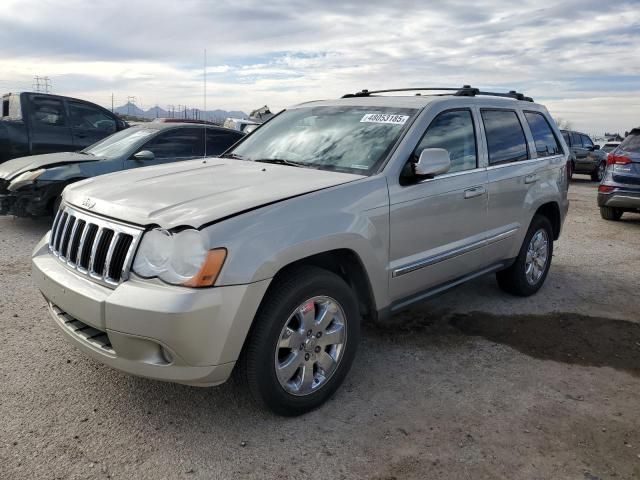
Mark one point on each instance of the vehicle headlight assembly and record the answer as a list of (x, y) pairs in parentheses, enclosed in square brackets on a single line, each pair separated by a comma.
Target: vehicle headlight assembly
[(25, 178), (179, 259)]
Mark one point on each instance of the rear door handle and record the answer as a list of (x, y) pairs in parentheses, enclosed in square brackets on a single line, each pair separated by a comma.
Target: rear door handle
[(533, 178), (474, 192)]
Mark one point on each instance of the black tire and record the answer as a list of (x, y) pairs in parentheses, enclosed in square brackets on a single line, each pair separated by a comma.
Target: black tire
[(256, 367), (56, 205), (513, 280), (611, 213), (598, 174)]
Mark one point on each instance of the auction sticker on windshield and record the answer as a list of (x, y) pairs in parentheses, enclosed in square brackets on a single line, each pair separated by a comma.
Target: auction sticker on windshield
[(384, 118)]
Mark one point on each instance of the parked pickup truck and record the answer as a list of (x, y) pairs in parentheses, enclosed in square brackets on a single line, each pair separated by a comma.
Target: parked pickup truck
[(36, 123)]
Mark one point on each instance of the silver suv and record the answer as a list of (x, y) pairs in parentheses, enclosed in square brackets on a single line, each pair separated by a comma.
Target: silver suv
[(263, 262)]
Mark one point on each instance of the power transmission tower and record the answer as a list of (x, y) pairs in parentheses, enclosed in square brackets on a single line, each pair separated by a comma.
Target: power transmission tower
[(131, 100), (171, 109), (41, 84)]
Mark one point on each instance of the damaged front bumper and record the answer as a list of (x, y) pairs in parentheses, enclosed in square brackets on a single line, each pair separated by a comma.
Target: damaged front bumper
[(27, 202)]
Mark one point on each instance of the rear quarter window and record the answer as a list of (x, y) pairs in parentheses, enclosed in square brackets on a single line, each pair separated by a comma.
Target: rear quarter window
[(505, 137), (545, 140)]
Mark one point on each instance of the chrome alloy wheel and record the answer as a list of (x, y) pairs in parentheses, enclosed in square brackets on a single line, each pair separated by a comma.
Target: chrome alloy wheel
[(537, 257), (310, 345)]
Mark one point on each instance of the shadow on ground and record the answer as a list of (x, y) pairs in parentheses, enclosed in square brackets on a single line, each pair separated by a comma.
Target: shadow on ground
[(562, 337)]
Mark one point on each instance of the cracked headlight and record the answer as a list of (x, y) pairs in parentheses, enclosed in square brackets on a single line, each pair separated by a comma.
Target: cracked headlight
[(24, 179), (179, 259)]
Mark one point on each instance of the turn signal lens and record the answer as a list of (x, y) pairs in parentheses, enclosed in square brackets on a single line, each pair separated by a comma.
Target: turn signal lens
[(208, 273)]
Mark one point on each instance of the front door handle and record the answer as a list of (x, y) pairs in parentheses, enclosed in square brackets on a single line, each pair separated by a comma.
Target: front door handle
[(474, 192), (533, 178)]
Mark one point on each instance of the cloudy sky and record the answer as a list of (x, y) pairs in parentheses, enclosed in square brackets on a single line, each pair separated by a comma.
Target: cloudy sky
[(580, 58)]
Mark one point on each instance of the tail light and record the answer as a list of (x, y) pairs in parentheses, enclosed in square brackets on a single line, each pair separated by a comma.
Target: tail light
[(605, 189), (618, 160)]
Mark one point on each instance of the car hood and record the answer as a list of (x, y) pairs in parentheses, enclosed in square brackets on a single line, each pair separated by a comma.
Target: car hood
[(196, 192), (16, 166)]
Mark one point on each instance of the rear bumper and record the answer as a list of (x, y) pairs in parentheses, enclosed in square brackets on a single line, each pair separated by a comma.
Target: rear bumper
[(182, 335), (620, 198)]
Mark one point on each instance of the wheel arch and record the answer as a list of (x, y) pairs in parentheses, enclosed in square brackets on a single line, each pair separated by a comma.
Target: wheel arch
[(551, 210)]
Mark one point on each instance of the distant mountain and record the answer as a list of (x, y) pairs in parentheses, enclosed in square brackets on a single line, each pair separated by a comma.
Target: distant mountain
[(131, 109)]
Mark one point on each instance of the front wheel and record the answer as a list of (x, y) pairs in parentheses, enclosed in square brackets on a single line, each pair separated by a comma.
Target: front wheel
[(303, 341), (529, 271)]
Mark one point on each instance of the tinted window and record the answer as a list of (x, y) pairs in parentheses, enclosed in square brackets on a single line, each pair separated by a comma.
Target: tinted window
[(586, 141), (5, 108), (219, 140), (454, 132), (179, 143), (47, 111), (505, 137), (566, 138), (631, 143), (546, 143), (87, 117), (575, 140)]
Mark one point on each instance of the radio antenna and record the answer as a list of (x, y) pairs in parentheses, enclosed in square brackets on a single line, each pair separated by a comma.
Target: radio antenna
[(204, 110)]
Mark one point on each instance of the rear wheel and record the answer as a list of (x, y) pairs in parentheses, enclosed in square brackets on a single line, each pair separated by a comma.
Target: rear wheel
[(530, 269), (611, 213), (303, 342), (598, 174)]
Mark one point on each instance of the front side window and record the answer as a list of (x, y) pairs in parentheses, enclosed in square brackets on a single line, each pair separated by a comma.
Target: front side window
[(86, 117), (47, 111), (178, 143), (586, 142), (349, 139), (505, 137), (546, 143), (454, 132), (120, 143)]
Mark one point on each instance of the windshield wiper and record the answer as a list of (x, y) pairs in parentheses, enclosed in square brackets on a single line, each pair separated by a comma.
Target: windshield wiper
[(280, 161)]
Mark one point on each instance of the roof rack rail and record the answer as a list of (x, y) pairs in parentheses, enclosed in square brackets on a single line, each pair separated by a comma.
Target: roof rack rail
[(465, 91)]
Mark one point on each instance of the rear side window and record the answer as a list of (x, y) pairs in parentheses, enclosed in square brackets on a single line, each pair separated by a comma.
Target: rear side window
[(566, 138), (505, 137), (219, 140), (178, 143), (453, 131), (631, 143), (546, 143), (47, 111), (575, 140), (586, 141)]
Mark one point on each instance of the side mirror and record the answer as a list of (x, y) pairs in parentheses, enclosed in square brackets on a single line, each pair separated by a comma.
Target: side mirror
[(596, 147), (144, 155), (432, 162)]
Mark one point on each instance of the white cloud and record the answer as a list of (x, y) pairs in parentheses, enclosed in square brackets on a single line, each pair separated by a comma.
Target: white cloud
[(578, 57)]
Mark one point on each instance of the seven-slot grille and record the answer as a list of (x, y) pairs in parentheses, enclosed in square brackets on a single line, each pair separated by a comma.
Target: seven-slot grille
[(98, 248)]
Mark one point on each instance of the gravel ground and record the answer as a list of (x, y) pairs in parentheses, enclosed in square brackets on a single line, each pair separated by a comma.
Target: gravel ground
[(473, 384)]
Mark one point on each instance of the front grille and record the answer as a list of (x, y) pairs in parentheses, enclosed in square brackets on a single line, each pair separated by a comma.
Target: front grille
[(84, 332), (99, 248)]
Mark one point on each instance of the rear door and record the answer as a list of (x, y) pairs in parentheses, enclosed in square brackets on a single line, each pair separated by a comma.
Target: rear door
[(513, 172), (89, 124), (625, 161), (48, 125), (219, 140), (579, 153), (437, 226)]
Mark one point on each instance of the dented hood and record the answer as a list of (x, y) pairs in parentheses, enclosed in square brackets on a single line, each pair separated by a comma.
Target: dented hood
[(13, 168), (196, 192)]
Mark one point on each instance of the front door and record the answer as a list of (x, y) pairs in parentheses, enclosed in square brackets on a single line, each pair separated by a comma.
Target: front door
[(437, 226), (49, 126)]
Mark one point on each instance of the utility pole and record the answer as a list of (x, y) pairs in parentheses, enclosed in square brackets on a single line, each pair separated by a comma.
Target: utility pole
[(111, 102), (171, 110)]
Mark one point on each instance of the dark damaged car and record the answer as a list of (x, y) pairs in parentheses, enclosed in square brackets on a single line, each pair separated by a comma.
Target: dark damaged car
[(31, 186)]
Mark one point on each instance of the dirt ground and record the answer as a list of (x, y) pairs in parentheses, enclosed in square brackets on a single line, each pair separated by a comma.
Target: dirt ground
[(474, 384)]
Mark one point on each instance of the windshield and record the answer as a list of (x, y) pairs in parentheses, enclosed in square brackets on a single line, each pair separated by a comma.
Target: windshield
[(343, 138), (120, 143)]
